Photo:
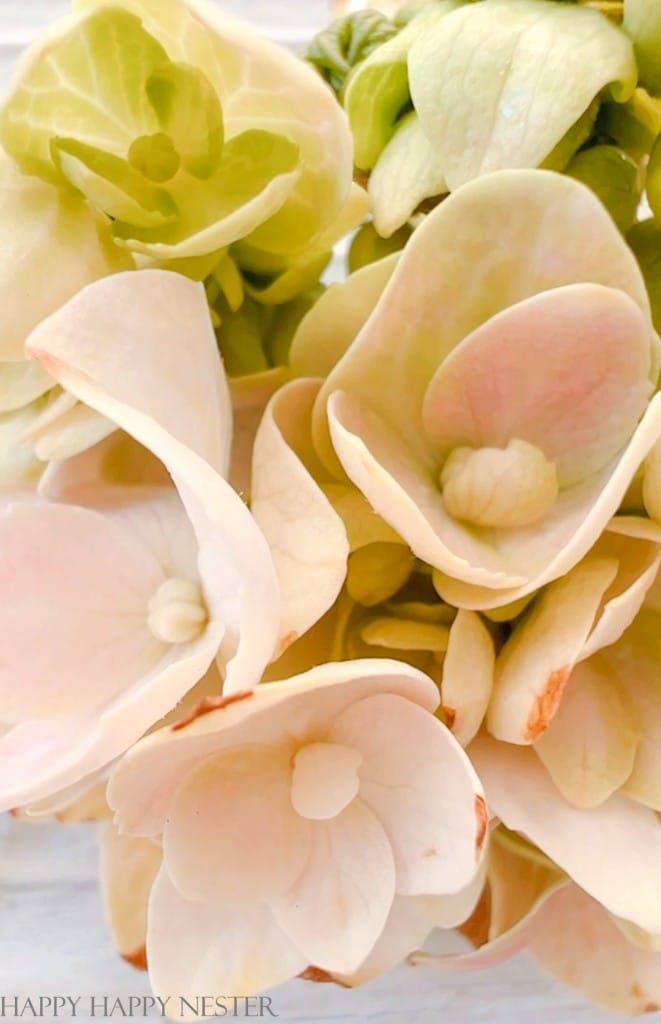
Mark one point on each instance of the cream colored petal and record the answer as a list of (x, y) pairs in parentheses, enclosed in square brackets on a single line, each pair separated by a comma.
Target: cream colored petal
[(417, 780), (590, 746), (145, 781), (327, 331), (129, 866), (598, 847), (20, 383), (337, 908), (639, 563), (232, 837), (250, 396), (580, 944), (52, 246), (468, 675), (410, 921), (534, 665), (66, 428), (307, 539), (635, 659), (197, 948)]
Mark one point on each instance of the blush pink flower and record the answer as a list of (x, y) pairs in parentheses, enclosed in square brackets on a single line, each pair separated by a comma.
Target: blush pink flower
[(292, 819), (491, 393), (137, 565)]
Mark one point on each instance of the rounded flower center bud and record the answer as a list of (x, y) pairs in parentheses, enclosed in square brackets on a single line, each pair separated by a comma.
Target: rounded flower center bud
[(499, 487), (325, 779), (177, 612), (154, 156)]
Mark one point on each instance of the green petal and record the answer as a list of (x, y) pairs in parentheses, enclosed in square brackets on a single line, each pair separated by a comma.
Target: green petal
[(189, 112), (498, 84), (86, 81), (112, 185), (642, 21), (260, 85), (654, 178), (614, 177), (645, 240), (378, 91), (257, 172), (407, 171), (634, 125)]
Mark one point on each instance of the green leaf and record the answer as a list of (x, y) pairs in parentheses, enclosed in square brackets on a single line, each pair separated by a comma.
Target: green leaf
[(498, 84), (378, 91), (614, 177), (642, 22), (345, 43), (256, 173), (189, 112), (86, 81), (112, 185)]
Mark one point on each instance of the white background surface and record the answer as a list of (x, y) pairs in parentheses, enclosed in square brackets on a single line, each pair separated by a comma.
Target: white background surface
[(52, 935)]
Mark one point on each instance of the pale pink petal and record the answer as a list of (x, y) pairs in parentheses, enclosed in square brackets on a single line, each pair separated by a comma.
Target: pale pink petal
[(232, 836), (143, 315), (146, 338), (307, 538), (581, 945), (468, 675), (337, 908), (419, 783), (612, 851), (551, 231), (75, 630), (129, 866), (534, 665), (590, 746), (145, 781), (198, 949), (567, 371), (500, 566)]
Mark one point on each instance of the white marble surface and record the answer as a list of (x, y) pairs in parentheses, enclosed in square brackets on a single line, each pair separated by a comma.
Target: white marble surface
[(52, 934)]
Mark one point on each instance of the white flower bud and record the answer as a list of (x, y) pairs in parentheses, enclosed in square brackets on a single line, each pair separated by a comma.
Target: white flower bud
[(177, 612), (499, 487)]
